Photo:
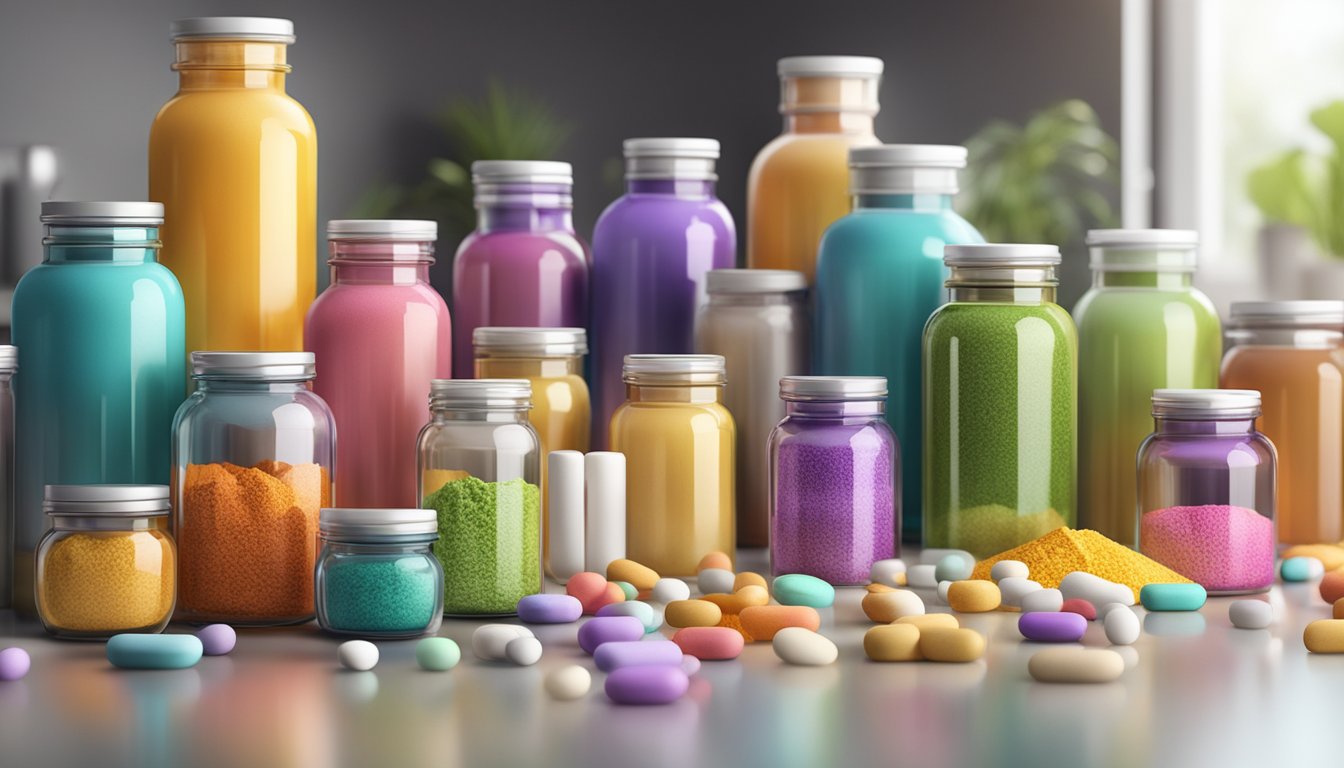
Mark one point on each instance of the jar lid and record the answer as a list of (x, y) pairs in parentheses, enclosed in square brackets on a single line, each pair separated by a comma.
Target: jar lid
[(671, 158), (1001, 255), (106, 500), (905, 169), (805, 388), (674, 369), (340, 522), (730, 281), (9, 358), (1143, 250), (829, 66), (908, 156), (1206, 403), (254, 366), (408, 230), (480, 393), (524, 342), (521, 172), (1143, 238), (233, 28), (82, 213), (1304, 313)]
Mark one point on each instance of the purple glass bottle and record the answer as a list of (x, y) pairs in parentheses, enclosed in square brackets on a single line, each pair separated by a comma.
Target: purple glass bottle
[(834, 501), (523, 266), (651, 250)]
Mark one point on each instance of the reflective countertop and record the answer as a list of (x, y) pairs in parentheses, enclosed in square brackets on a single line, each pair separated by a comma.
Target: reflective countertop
[(1195, 692)]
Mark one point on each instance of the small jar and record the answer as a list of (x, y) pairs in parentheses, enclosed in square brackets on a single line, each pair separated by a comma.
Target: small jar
[(1207, 489), (377, 575), (834, 505), (108, 564), (480, 470)]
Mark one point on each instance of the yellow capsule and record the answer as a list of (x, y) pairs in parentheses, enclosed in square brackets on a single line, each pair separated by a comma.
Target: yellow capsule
[(892, 642)]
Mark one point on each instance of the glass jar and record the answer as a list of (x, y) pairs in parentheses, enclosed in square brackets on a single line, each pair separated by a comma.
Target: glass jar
[(757, 320), (382, 333), (9, 362), (1290, 351), (480, 469), (108, 564), (377, 575), (1142, 326), (253, 451), (1207, 489), (835, 501), (1000, 402), (679, 443)]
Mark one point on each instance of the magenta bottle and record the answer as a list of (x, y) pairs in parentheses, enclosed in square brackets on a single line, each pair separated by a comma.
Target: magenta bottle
[(651, 250), (380, 333), (523, 266)]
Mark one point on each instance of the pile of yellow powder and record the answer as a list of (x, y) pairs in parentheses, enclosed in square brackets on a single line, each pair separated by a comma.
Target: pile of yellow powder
[(1065, 550)]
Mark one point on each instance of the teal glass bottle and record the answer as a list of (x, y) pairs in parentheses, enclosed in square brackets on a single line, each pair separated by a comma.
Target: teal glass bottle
[(102, 329), (880, 275)]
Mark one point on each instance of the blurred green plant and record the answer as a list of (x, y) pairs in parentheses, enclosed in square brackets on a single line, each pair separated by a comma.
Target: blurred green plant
[(1307, 190), (1048, 181)]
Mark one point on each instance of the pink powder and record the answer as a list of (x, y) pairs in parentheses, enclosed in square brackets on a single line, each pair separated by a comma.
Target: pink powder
[(1224, 548)]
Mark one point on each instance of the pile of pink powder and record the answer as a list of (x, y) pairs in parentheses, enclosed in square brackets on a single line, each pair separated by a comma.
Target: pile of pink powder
[(1222, 547)]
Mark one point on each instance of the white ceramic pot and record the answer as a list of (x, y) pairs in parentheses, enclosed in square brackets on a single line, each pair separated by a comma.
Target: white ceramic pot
[(1286, 253)]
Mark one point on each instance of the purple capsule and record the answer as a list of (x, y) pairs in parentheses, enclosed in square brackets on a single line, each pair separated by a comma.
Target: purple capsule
[(14, 664), (637, 653), (609, 629), (647, 685), (217, 639), (549, 609), (1049, 627)]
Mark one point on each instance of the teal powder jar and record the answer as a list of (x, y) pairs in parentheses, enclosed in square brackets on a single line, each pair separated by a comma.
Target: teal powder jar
[(101, 325), (880, 276)]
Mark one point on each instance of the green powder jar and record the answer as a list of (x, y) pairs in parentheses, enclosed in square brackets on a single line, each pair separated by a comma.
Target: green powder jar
[(1000, 402)]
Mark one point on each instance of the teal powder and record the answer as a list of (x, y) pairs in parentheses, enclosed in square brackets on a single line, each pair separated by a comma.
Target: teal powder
[(380, 594)]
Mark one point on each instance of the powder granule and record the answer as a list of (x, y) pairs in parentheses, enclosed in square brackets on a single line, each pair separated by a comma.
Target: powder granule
[(116, 581), (1225, 548), (489, 544), (1065, 550)]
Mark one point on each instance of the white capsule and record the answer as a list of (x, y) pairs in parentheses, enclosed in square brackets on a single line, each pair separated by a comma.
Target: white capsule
[(1250, 614), (1122, 625), (1009, 569), (716, 581), (957, 566), (885, 571), (943, 586), (568, 683), (667, 590), (1071, 664), (923, 576), (489, 641), (796, 645), (1094, 589), (359, 655), (1014, 588), (1102, 610), (934, 556), (1042, 600), (523, 651)]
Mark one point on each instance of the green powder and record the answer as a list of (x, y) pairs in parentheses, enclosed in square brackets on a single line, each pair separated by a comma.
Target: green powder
[(396, 595), (1000, 405), (489, 544)]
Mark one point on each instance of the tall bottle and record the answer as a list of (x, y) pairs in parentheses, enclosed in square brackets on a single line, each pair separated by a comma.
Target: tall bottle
[(799, 181), (651, 250), (381, 334), (100, 323), (523, 266), (234, 160), (1142, 326), (880, 275)]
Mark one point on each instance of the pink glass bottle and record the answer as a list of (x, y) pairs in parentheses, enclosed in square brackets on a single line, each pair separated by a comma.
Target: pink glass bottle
[(523, 266), (380, 334)]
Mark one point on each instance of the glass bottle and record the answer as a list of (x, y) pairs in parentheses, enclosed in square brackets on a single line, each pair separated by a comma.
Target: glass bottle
[(480, 470), (234, 160), (1206, 489), (524, 265), (835, 489), (651, 250), (880, 275), (1000, 402), (757, 320), (382, 333), (679, 444), (9, 362), (799, 181), (1290, 351), (253, 452), (1142, 326), (104, 364)]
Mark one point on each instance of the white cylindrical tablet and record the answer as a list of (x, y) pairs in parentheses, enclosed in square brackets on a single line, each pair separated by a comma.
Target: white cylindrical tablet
[(1014, 588), (1076, 665), (489, 641), (564, 514), (1121, 624), (1049, 600), (1250, 614), (1005, 569), (923, 576), (523, 651), (604, 473), (1094, 589), (797, 645), (666, 590)]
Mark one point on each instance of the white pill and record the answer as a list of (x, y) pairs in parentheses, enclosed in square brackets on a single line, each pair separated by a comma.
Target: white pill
[(934, 556), (796, 645), (957, 566), (523, 651), (667, 590), (359, 655), (689, 664), (1042, 600), (1009, 569), (568, 683), (716, 581), (885, 571), (1014, 588), (943, 586), (1094, 589), (1076, 665), (659, 615), (489, 640), (923, 576), (1122, 625), (1250, 614), (1102, 610)]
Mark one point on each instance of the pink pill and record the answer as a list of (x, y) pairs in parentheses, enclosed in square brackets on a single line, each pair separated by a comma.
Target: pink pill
[(709, 643), (637, 653), (609, 629), (586, 587), (647, 685), (1081, 607)]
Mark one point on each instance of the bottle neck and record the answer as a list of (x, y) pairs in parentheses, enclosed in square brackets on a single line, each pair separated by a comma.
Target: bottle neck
[(380, 263), (916, 202), (651, 393), (490, 366), (758, 299), (132, 245), (699, 189), (829, 104), (206, 65), (1163, 280), (251, 386), (834, 410), (512, 218), (1002, 284), (853, 123), (1185, 426)]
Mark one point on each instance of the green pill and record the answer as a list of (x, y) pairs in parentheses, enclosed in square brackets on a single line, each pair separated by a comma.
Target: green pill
[(629, 589), (1172, 597), (802, 589), (437, 654)]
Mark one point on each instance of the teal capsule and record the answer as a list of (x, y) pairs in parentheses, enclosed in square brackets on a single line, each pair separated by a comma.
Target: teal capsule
[(1301, 569), (133, 651), (641, 610), (802, 589), (629, 589), (1172, 597), (437, 654), (954, 567)]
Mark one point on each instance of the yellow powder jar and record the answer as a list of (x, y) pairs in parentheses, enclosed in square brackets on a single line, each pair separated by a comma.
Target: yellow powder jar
[(678, 441), (108, 564)]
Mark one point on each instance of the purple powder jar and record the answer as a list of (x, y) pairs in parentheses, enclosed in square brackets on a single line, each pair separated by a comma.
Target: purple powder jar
[(834, 506)]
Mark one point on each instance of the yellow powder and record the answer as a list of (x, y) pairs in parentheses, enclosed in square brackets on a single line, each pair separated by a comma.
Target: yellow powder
[(1065, 550), (108, 582)]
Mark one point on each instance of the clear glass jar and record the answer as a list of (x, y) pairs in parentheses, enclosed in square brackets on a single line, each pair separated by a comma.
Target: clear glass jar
[(253, 452), (9, 362), (835, 500), (108, 564), (480, 470), (1207, 489), (377, 575), (1000, 402), (679, 443), (757, 320), (1291, 352)]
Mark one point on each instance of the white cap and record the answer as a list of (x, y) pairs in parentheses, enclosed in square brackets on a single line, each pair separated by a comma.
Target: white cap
[(1143, 250), (905, 169), (345, 523), (738, 281), (9, 358), (480, 394), (1302, 313), (1001, 255), (521, 172), (102, 214), (254, 366), (674, 369), (833, 388), (1143, 238), (1206, 403), (670, 158), (410, 230), (233, 28), (530, 342), (830, 66)]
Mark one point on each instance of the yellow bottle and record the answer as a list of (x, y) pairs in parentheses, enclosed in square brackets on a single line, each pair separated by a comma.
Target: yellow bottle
[(799, 182), (678, 442), (233, 159)]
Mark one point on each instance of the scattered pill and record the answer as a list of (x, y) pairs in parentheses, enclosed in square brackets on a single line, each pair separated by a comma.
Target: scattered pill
[(1172, 597), (763, 622), (934, 555), (1108, 607), (587, 587), (886, 607), (802, 589), (923, 576), (627, 589), (893, 642), (750, 595), (609, 629), (950, 645), (1324, 636), (646, 685), (879, 587), (488, 641), (636, 608), (689, 664), (1013, 588), (359, 655), (1330, 555), (635, 653), (956, 566), (804, 647), (523, 651), (749, 578), (1076, 665), (692, 613), (1121, 625), (611, 594), (974, 596), (930, 621), (14, 664), (217, 639), (136, 651), (709, 643), (1332, 586), (568, 683), (1250, 614), (1042, 601), (886, 571), (943, 586), (1009, 569), (438, 654), (1338, 611), (670, 590), (1052, 627), (1301, 569), (1094, 589), (715, 581), (549, 609), (719, 560), (641, 576), (1079, 606)]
